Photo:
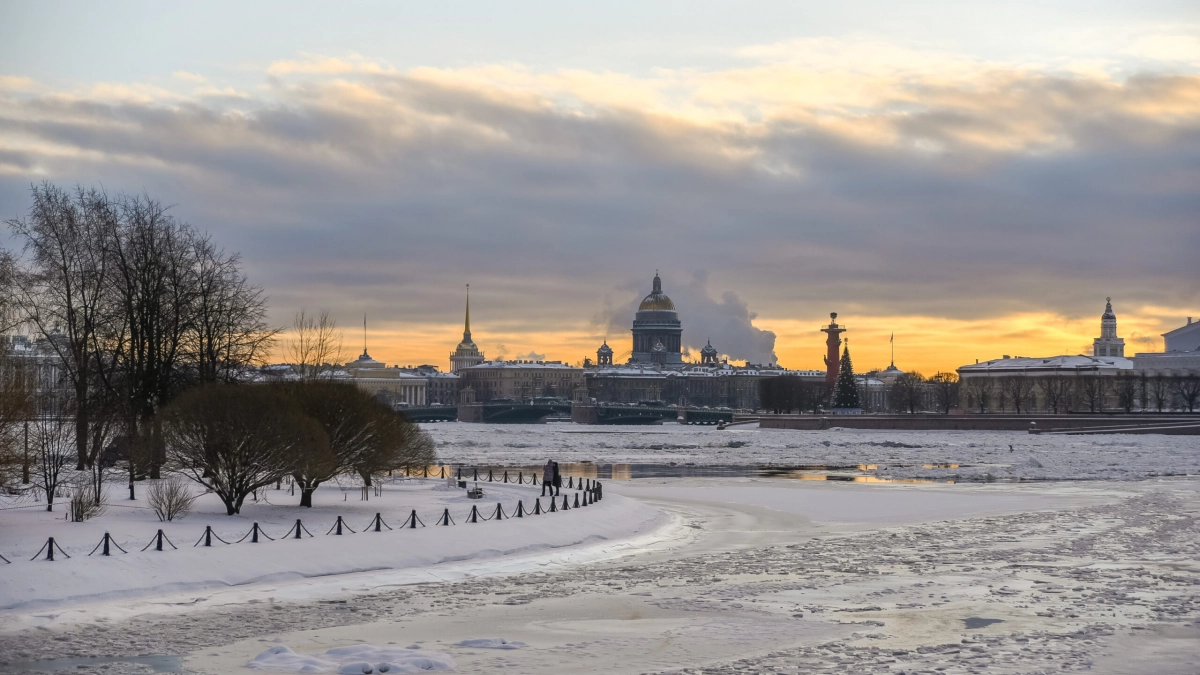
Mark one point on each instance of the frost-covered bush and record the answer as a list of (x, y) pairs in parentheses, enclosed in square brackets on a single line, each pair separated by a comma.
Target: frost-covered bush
[(171, 498), (85, 505)]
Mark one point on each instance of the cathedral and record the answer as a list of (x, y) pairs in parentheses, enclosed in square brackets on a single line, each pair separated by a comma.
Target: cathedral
[(657, 331)]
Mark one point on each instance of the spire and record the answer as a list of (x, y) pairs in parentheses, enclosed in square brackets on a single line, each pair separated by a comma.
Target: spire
[(364, 333), (657, 283), (467, 323)]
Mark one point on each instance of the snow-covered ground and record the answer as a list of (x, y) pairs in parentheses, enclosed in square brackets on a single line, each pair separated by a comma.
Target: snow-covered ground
[(979, 455), (732, 574), (27, 585)]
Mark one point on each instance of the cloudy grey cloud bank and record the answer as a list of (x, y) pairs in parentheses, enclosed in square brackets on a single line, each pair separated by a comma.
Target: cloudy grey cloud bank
[(779, 188)]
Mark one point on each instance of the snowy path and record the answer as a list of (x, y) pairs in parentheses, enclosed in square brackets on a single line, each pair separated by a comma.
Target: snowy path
[(1081, 576)]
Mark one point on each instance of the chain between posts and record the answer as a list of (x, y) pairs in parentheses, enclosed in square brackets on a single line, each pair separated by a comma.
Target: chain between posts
[(591, 493)]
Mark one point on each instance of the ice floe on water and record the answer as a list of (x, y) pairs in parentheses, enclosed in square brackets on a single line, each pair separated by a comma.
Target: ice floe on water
[(353, 660), (972, 456), (490, 643)]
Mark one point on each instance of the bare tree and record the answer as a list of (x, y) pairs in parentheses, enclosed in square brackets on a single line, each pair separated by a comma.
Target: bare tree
[(945, 390), (1126, 389), (979, 392), (365, 436), (229, 328), (53, 437), (236, 439), (398, 443), (170, 498), (906, 392), (1187, 389), (315, 343), (17, 402), (64, 294), (1017, 390), (1091, 391), (1056, 392), (1159, 387)]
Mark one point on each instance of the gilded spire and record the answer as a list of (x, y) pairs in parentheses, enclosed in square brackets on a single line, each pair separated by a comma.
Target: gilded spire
[(467, 324)]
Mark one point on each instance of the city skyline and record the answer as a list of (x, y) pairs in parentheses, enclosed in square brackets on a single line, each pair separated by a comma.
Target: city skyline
[(873, 342), (975, 187)]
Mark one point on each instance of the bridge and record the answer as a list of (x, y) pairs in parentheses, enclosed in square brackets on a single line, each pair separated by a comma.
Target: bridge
[(531, 413)]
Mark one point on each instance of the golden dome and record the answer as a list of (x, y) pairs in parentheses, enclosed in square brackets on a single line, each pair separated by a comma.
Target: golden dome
[(657, 300)]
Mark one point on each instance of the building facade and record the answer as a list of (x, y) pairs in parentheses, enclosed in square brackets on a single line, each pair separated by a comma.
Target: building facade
[(520, 380), (396, 385)]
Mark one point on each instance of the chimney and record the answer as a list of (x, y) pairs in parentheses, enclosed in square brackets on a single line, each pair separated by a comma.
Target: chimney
[(1189, 320)]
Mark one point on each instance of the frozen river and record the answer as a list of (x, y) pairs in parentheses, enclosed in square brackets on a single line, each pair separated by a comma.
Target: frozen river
[(749, 573), (681, 450)]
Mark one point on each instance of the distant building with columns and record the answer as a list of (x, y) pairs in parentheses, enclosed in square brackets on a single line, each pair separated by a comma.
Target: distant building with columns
[(397, 386)]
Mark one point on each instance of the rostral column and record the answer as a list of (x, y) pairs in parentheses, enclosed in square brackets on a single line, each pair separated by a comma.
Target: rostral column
[(833, 358)]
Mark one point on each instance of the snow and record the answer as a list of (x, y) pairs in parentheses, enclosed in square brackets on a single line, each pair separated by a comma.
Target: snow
[(25, 585), (728, 574), (490, 643), (982, 456), (353, 660)]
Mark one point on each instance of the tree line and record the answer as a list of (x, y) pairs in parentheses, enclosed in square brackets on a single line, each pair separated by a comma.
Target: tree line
[(148, 326), (1127, 391)]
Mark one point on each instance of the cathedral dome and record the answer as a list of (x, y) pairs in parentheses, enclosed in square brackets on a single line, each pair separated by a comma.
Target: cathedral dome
[(604, 348), (657, 301)]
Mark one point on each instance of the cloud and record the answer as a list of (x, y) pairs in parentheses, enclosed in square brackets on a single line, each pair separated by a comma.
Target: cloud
[(727, 322), (920, 191)]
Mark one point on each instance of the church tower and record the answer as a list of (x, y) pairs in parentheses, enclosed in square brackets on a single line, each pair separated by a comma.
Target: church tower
[(466, 354), (604, 355), (1108, 344)]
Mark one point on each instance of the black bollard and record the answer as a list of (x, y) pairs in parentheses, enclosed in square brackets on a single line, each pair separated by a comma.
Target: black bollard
[(459, 473), (445, 520), (533, 479), (254, 532), (208, 535), (566, 505), (506, 475), (499, 514), (520, 510), (571, 482), (476, 474), (298, 528), (537, 507), (489, 475), (443, 472), (576, 500), (378, 523), (474, 517), (553, 508), (521, 477), (105, 551)]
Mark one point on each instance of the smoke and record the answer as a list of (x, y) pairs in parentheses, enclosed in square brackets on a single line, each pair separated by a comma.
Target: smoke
[(728, 322), (502, 355)]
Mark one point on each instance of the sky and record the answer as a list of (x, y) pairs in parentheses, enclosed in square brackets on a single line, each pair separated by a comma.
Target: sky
[(972, 178)]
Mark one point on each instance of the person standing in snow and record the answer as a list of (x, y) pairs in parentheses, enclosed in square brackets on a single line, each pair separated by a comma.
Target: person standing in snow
[(557, 479), (548, 478)]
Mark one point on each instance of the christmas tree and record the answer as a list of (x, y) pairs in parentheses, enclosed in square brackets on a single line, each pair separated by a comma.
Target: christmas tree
[(845, 390)]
